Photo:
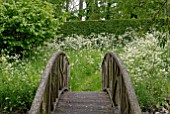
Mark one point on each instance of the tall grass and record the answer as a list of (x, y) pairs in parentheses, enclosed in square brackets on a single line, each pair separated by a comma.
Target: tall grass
[(19, 79), (149, 67), (147, 63), (85, 70)]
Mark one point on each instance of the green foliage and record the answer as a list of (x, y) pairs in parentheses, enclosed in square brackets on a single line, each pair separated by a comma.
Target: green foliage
[(100, 41), (120, 9), (147, 63), (145, 98), (85, 69), (149, 68), (26, 24), (140, 9), (19, 79), (109, 26)]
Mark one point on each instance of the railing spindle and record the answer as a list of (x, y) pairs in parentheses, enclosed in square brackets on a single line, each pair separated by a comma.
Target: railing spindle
[(55, 80), (116, 81)]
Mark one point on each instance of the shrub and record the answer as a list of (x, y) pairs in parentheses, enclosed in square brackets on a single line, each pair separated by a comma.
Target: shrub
[(115, 26), (26, 24), (149, 68), (102, 41), (19, 79)]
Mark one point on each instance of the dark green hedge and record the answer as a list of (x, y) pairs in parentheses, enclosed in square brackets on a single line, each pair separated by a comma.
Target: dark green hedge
[(116, 26)]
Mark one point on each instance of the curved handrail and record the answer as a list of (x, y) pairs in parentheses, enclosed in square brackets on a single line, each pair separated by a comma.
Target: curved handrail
[(55, 80), (116, 81)]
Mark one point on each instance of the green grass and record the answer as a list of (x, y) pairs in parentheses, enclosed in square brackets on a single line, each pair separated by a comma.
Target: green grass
[(86, 74), (149, 68), (150, 77), (19, 79), (85, 69)]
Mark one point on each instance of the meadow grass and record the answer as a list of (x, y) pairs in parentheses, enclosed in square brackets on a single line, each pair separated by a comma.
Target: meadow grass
[(149, 68), (19, 79), (85, 69)]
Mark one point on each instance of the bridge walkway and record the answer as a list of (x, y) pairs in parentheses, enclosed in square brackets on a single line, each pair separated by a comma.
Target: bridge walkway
[(84, 103), (53, 95)]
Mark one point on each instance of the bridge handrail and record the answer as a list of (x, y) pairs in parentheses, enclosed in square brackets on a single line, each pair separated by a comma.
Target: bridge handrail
[(116, 81), (55, 80)]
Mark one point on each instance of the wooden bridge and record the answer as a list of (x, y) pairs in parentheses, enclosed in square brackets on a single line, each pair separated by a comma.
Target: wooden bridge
[(53, 95)]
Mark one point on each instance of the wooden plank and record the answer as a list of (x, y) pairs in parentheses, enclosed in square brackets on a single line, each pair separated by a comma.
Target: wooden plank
[(82, 111), (84, 103), (85, 95), (84, 100)]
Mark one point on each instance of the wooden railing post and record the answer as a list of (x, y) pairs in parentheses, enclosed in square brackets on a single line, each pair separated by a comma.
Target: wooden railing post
[(116, 81), (54, 82)]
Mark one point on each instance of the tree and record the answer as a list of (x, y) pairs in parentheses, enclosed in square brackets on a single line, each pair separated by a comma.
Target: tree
[(116, 9), (27, 24), (81, 9)]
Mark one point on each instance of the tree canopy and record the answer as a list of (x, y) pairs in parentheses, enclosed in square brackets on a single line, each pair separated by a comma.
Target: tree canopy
[(116, 9)]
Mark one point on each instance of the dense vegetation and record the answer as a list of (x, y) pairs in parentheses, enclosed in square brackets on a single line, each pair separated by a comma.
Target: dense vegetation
[(118, 9), (30, 33), (114, 26), (20, 78), (26, 24)]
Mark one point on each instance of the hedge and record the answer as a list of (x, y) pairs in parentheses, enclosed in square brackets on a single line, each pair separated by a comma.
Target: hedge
[(116, 26)]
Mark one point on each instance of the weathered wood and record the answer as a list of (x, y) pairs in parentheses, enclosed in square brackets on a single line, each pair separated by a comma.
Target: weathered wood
[(54, 81), (119, 97), (85, 103), (116, 81)]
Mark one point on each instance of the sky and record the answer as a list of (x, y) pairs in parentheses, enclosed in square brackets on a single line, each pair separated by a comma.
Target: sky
[(75, 4)]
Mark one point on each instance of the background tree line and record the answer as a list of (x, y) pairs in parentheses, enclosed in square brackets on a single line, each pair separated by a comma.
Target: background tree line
[(28, 23), (116, 9)]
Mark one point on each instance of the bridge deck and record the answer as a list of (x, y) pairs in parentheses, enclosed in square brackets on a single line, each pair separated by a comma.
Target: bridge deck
[(84, 103), (53, 96)]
